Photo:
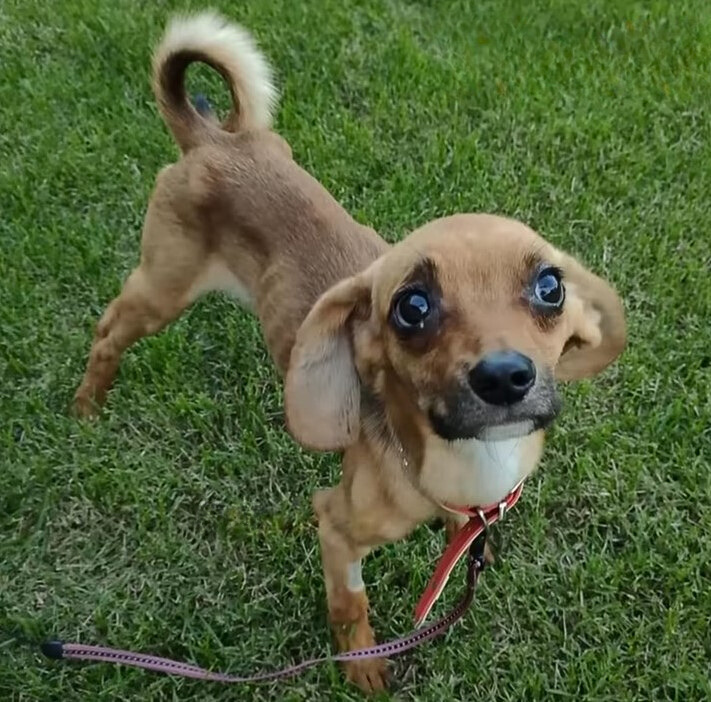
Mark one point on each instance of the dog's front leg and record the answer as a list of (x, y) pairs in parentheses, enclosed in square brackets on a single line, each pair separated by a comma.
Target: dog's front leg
[(345, 590)]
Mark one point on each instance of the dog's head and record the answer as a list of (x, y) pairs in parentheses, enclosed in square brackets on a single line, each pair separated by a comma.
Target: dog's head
[(465, 325)]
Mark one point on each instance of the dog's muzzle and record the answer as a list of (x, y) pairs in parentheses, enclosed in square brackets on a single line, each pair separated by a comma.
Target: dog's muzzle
[(504, 398)]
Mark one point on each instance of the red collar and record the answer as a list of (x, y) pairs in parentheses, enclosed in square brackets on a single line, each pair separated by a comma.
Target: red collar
[(479, 520)]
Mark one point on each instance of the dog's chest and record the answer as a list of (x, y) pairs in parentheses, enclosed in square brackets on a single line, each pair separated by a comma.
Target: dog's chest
[(474, 472), (495, 465)]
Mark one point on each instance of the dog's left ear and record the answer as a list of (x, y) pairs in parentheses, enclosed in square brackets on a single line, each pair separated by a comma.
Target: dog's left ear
[(597, 323), (322, 389)]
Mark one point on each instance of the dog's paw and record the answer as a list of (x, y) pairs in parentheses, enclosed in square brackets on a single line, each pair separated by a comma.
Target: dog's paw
[(369, 675), (85, 407)]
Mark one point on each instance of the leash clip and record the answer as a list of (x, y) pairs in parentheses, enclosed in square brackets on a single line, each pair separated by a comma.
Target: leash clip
[(477, 561), (484, 520), (476, 550)]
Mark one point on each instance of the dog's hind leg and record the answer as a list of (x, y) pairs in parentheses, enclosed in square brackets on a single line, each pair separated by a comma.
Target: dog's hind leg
[(147, 303)]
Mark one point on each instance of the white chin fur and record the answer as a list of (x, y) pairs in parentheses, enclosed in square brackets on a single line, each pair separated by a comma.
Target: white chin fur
[(479, 472), (503, 432)]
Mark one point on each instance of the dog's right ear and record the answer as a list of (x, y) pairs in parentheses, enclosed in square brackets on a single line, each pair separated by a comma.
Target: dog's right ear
[(322, 390)]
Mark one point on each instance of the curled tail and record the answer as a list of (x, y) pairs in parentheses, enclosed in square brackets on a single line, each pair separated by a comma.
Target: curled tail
[(230, 50)]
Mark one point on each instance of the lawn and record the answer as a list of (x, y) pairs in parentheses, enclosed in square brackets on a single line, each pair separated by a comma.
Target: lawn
[(180, 522)]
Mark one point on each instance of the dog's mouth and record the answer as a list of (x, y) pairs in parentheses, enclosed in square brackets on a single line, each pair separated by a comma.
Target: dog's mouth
[(509, 430), (497, 425), (498, 431)]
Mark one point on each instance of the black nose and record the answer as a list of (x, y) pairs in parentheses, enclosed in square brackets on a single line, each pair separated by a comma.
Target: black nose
[(503, 377)]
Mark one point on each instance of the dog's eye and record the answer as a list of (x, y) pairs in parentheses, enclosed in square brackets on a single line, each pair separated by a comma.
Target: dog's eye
[(411, 309), (549, 288)]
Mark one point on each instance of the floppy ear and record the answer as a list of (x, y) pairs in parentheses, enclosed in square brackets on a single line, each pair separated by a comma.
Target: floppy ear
[(322, 390), (597, 323)]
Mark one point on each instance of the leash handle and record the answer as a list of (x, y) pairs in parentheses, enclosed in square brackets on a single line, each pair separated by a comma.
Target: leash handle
[(101, 654)]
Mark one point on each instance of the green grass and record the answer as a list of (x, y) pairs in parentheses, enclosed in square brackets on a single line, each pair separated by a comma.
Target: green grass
[(180, 523)]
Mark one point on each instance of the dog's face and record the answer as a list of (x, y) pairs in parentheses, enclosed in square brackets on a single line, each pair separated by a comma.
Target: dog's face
[(467, 323), (473, 321)]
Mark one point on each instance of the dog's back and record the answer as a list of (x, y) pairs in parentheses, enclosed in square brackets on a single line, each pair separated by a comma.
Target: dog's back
[(280, 234), (235, 213)]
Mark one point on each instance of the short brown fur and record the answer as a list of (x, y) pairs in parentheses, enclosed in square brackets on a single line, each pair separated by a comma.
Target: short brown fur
[(237, 213)]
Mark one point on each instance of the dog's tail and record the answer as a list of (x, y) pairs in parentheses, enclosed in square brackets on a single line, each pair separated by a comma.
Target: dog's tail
[(230, 50)]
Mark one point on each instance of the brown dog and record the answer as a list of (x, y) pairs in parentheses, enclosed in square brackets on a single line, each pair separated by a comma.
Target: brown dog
[(431, 365)]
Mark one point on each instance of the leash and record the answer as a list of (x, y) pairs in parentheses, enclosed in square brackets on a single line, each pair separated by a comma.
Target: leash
[(480, 519), (471, 539)]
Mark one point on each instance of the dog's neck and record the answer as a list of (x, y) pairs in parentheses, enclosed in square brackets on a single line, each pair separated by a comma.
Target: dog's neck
[(392, 426), (468, 472)]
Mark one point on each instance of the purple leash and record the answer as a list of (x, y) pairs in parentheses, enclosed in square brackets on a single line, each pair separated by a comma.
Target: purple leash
[(101, 654)]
